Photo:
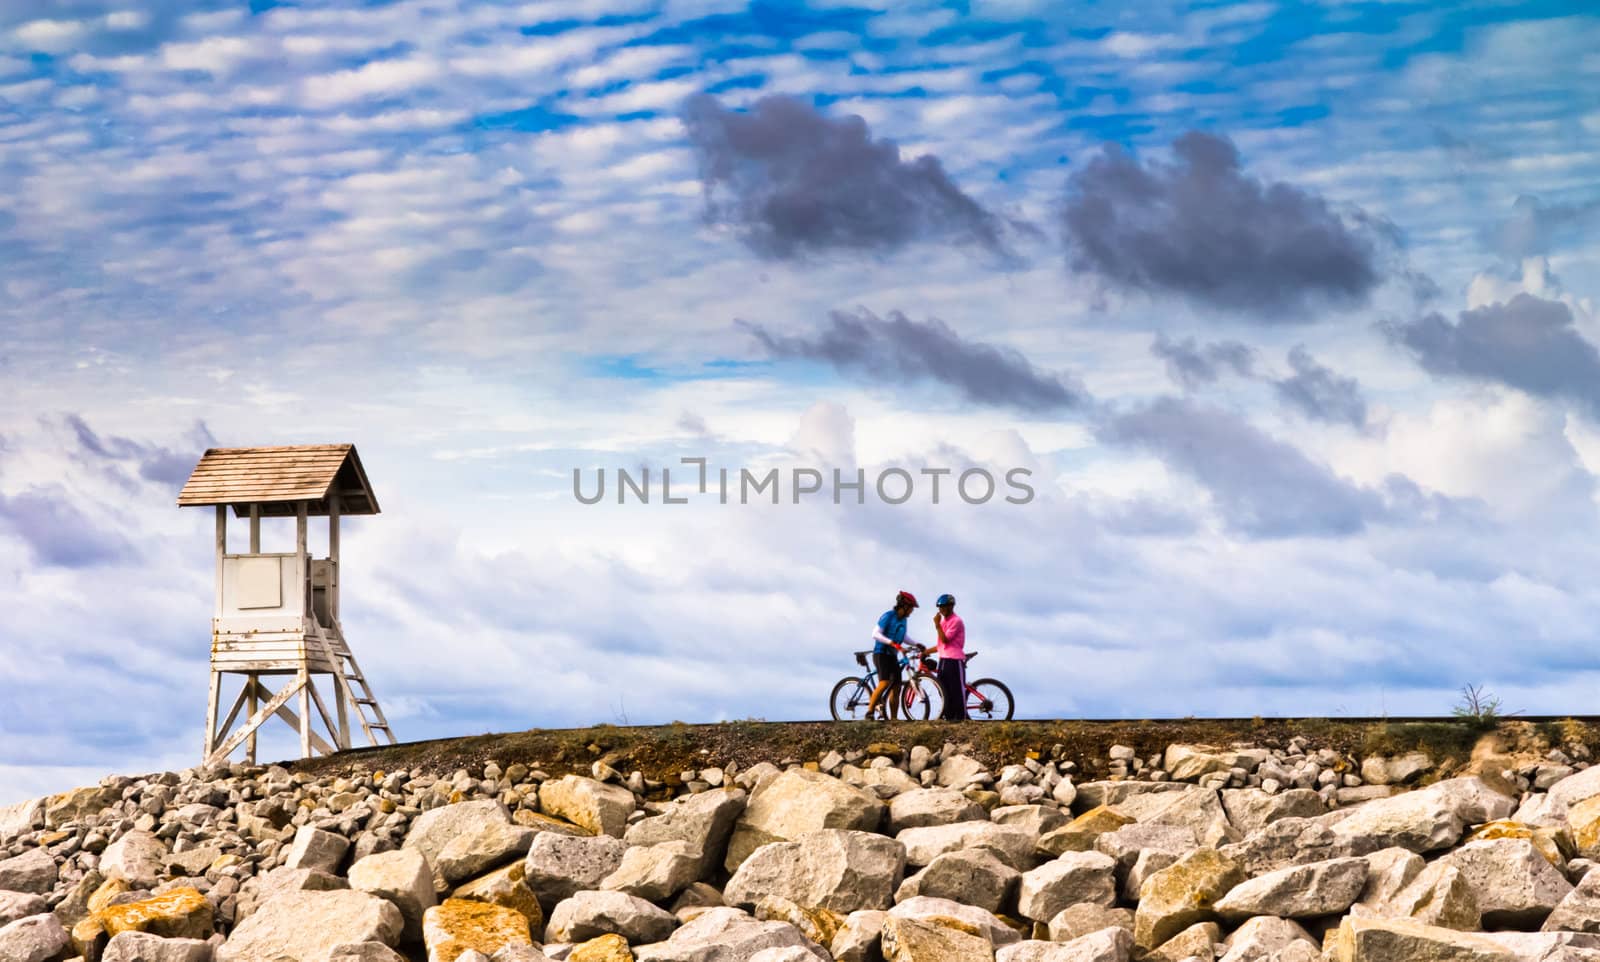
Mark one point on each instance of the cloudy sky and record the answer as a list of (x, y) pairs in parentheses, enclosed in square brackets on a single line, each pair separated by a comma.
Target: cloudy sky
[(1289, 308)]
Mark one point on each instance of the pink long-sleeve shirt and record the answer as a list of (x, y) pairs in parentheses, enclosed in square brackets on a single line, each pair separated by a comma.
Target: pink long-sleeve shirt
[(955, 638)]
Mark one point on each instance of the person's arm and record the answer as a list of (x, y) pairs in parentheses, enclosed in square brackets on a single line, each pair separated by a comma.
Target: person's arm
[(938, 626), (879, 636)]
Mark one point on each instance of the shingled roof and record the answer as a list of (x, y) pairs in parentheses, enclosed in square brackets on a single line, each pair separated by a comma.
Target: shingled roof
[(277, 477)]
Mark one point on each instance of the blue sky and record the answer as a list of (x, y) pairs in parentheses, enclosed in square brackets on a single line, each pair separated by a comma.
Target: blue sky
[(1289, 307)]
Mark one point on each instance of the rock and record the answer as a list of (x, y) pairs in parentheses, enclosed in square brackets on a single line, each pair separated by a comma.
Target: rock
[(704, 821), (1258, 939), (20, 818), (922, 807), (1186, 763), (1388, 872), (435, 828), (1418, 821), (1584, 820), (543, 823), (1297, 892), (180, 913), (1076, 921), (1112, 794), (725, 935), (1377, 770), (559, 866), (1182, 895), (606, 948), (506, 888), (971, 876), (364, 952), (908, 940), (1550, 946), (33, 873), (961, 771), (602, 809), (138, 858), (1250, 808), (1079, 834), (1580, 910), (20, 905), (1473, 798), (587, 915), (1126, 843), (840, 870), (144, 947), (967, 918), (1392, 940), (37, 938), (884, 782), (78, 804), (455, 926), (1195, 808), (522, 953), (263, 887), (818, 925), (1037, 819), (192, 863), (484, 846), (1198, 941), (797, 802), (1439, 895), (401, 877), (1515, 887), (1072, 878), (1106, 945), (315, 849), (858, 938), (1297, 841), (1012, 844), (306, 925), (655, 873), (1574, 788)]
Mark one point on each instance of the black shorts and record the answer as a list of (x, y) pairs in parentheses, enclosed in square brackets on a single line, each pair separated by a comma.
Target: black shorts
[(888, 665)]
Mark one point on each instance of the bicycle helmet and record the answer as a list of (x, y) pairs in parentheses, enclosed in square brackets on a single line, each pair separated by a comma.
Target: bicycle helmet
[(945, 600), (906, 598)]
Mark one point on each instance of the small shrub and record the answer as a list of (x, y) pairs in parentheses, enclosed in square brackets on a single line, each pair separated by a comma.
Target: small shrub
[(1477, 708)]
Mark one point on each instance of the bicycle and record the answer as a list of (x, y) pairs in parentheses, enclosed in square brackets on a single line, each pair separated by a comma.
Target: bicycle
[(988, 699), (852, 694)]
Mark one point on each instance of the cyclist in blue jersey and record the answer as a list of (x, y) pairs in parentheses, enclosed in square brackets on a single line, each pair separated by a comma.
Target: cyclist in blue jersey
[(887, 638)]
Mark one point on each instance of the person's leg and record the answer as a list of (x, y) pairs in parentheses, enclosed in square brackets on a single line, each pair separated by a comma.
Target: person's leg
[(877, 697), (896, 692), (950, 688)]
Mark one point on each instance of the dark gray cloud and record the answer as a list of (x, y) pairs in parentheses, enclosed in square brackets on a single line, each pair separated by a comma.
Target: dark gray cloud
[(1528, 343), (794, 182), (152, 462), (1203, 229), (1262, 487), (58, 533), (1534, 226), (897, 348), (1193, 365), (1320, 393)]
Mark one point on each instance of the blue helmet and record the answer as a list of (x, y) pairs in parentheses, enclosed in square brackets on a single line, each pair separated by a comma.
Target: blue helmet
[(945, 600)]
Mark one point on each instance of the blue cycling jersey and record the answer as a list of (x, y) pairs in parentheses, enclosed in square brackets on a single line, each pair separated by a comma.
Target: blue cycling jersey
[(893, 627)]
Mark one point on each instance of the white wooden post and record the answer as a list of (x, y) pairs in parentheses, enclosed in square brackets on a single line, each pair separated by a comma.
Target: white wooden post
[(333, 554), (222, 549), (211, 698), (306, 612), (250, 743), (255, 529)]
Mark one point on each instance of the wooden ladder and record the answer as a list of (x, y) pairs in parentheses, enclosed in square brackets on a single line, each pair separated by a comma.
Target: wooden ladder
[(367, 701)]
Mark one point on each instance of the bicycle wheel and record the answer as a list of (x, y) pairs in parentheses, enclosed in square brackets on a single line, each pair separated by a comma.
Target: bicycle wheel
[(849, 699), (989, 700), (921, 691)]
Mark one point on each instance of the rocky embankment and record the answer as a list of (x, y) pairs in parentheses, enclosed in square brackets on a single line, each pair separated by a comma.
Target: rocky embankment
[(1277, 852)]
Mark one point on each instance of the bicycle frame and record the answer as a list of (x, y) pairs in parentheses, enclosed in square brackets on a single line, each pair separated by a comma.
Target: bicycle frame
[(908, 666)]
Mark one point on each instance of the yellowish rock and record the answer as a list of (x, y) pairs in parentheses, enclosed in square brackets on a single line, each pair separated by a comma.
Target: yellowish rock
[(606, 948), (1584, 818), (456, 925), (505, 887), (181, 913), (817, 924), (544, 823), (908, 940), (108, 890), (88, 937), (1196, 941), (227, 860), (1182, 895), (1547, 841), (1405, 940), (1079, 834)]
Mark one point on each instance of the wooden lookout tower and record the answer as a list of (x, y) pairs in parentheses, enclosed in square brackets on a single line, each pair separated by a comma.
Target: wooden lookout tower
[(277, 614)]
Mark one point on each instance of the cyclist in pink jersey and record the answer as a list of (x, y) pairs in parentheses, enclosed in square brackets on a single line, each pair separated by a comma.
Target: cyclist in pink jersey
[(952, 652)]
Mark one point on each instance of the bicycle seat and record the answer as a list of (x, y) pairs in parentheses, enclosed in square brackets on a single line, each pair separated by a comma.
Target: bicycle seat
[(971, 655)]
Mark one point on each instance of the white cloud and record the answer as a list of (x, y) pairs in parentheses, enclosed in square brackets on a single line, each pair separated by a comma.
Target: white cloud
[(49, 35), (379, 78), (217, 55)]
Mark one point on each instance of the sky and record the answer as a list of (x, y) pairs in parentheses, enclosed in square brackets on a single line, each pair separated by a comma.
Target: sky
[(1285, 310)]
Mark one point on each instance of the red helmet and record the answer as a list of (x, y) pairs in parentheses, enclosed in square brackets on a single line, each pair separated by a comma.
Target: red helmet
[(906, 598)]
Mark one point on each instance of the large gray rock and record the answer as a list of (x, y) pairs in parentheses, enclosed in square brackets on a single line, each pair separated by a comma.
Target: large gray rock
[(704, 821), (306, 926), (1250, 808), (1388, 871), (1094, 794), (655, 873), (858, 937), (602, 809), (1420, 821), (37, 938), (1580, 910), (795, 803), (1182, 895), (1514, 885), (1550, 946), (33, 872), (970, 876), (143, 947), (1575, 788), (20, 905), (588, 915), (910, 940), (1399, 770), (263, 888), (1403, 940), (375, 952), (1186, 763), (1473, 799), (1195, 808), (961, 771), (1013, 844), (932, 806), (1070, 879), (316, 849), (485, 846), (434, 829), (1298, 892), (725, 935), (401, 877), (925, 909), (1076, 921), (840, 870), (1298, 841), (1259, 939), (1037, 819), (138, 858), (1124, 844), (1106, 945), (559, 866), (1439, 895)]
